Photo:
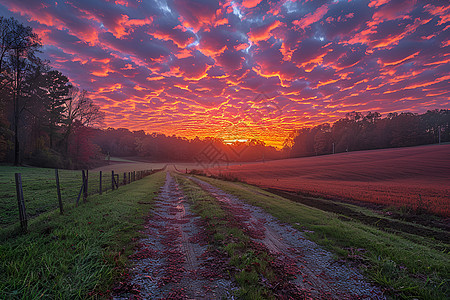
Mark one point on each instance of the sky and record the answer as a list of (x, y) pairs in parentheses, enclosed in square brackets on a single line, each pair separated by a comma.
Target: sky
[(245, 69)]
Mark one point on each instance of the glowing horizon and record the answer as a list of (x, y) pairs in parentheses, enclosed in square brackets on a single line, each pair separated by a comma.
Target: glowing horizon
[(241, 70)]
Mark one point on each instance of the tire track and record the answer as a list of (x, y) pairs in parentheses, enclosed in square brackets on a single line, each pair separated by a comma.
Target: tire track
[(172, 259), (318, 273)]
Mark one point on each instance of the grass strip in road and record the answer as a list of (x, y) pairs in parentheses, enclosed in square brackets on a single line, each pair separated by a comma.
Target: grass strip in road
[(252, 267), (406, 268), (80, 254)]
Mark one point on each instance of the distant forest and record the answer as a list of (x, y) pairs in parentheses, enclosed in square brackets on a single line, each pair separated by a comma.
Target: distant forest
[(354, 132), (159, 147), (364, 132), (47, 122)]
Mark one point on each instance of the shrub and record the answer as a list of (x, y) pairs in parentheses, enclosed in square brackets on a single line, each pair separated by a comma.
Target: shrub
[(46, 158)]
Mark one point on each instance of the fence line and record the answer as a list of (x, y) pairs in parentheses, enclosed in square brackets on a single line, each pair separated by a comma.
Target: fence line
[(83, 191)]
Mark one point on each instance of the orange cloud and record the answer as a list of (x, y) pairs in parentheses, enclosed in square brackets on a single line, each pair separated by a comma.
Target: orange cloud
[(394, 63), (311, 17), (250, 3), (420, 85), (125, 25), (139, 88), (111, 88), (394, 39), (121, 2), (442, 11), (376, 3), (221, 22), (263, 33), (168, 37), (104, 72)]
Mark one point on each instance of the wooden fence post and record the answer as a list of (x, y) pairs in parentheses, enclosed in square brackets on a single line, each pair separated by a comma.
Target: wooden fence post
[(79, 193), (129, 177), (112, 180), (58, 191), (83, 182), (124, 178), (100, 184), (21, 202), (117, 181), (84, 186)]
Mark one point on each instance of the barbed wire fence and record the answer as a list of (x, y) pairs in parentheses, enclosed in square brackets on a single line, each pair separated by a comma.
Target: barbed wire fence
[(38, 192)]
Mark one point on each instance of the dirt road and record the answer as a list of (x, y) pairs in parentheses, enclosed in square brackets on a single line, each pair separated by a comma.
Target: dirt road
[(173, 260), (320, 275)]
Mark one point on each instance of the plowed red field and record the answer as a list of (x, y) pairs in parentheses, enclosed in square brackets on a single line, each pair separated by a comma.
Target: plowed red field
[(415, 177)]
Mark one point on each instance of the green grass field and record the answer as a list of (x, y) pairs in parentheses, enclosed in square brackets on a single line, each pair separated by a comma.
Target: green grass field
[(39, 189), (408, 266), (79, 254)]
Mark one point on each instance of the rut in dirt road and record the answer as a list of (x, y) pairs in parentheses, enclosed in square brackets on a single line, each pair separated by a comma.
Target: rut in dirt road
[(318, 274), (173, 260)]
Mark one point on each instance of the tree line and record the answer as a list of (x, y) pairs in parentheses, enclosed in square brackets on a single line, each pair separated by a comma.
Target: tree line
[(357, 131), (364, 132), (44, 119), (159, 147)]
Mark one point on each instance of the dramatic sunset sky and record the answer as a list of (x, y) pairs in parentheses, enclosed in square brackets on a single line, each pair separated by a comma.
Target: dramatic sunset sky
[(245, 69)]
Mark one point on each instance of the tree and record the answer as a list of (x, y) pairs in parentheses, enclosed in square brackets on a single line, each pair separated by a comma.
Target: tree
[(322, 139), (5, 132), (436, 124), (18, 63), (79, 107), (6, 40), (55, 87), (304, 142), (81, 147), (405, 130)]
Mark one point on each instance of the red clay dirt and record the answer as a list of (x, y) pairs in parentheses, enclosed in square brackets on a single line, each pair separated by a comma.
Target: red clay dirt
[(315, 271), (173, 260)]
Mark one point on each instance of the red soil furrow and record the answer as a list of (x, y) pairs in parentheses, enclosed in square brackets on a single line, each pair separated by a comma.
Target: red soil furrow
[(313, 270)]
